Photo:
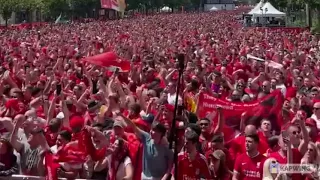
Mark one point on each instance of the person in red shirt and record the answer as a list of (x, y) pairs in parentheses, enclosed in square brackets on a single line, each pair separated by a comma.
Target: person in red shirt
[(237, 145), (281, 155), (249, 165), (192, 164)]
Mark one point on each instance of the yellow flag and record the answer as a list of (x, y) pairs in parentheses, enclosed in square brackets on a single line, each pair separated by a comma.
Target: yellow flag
[(191, 105)]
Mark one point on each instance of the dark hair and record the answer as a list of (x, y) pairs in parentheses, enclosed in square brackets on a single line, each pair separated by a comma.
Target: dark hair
[(206, 119), (66, 135), (159, 128), (8, 145), (136, 108), (54, 125), (255, 137), (195, 128), (273, 141), (35, 91), (92, 104), (194, 84), (192, 136)]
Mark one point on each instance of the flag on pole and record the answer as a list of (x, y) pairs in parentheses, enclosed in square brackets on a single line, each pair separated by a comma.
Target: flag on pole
[(58, 19), (118, 5)]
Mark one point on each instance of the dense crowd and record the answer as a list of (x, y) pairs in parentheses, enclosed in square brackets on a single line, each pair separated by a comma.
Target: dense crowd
[(65, 117)]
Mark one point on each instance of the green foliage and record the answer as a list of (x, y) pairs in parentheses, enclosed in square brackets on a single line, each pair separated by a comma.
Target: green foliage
[(53, 8), (7, 7)]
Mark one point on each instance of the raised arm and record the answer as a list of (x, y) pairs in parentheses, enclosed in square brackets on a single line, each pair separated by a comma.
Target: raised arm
[(17, 145), (139, 133)]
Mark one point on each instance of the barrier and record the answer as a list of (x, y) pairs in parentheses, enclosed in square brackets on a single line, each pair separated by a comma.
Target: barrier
[(23, 177)]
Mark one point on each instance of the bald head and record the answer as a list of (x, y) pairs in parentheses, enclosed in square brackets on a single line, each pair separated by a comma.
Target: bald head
[(250, 129), (31, 113), (316, 105)]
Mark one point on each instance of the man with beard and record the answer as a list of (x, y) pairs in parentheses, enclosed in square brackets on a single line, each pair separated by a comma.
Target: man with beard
[(192, 164), (249, 165)]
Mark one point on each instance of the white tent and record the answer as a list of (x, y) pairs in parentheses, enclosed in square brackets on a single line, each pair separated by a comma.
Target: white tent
[(269, 11), (256, 8), (165, 9), (214, 9)]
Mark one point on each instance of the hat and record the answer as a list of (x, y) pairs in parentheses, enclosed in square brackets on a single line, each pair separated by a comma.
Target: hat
[(311, 122), (148, 118), (219, 154), (76, 121), (118, 123), (60, 115)]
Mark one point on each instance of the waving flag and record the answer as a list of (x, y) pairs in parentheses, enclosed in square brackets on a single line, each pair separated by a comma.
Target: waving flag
[(118, 5), (268, 107), (109, 59), (58, 19)]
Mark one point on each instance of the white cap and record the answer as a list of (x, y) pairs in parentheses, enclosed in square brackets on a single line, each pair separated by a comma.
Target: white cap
[(60, 115)]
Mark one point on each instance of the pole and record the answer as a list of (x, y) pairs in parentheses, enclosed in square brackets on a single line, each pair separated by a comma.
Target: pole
[(173, 133)]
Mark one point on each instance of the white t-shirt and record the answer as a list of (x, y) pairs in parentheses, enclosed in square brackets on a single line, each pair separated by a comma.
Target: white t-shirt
[(317, 120), (121, 173), (172, 99), (282, 88)]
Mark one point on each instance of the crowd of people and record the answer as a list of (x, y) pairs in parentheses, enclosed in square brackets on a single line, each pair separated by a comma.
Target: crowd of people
[(63, 117)]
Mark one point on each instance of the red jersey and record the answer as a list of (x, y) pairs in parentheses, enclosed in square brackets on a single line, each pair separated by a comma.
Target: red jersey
[(296, 159), (192, 169), (249, 168)]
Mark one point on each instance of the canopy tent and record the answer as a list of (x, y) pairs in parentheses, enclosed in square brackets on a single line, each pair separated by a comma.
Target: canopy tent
[(165, 9), (269, 11), (213, 9), (256, 9)]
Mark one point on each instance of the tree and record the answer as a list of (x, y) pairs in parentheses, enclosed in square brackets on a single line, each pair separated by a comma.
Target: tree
[(53, 8), (7, 7)]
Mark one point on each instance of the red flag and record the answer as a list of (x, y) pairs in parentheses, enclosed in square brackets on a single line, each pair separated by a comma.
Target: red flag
[(109, 59), (288, 44), (268, 107), (135, 153), (51, 167)]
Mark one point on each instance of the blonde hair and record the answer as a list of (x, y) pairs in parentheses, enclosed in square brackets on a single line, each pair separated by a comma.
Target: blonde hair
[(267, 174), (317, 155), (266, 169)]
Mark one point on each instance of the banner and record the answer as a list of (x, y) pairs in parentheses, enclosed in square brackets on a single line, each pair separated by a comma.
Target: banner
[(117, 5), (268, 107)]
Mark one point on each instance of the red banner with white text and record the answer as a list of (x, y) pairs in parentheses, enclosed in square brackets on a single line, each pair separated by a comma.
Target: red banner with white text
[(268, 107)]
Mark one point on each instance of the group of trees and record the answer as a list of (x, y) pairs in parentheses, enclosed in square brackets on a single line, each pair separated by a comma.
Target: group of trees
[(51, 9)]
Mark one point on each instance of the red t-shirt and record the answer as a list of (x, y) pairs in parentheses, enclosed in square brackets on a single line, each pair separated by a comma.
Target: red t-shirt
[(250, 168), (296, 155), (196, 169)]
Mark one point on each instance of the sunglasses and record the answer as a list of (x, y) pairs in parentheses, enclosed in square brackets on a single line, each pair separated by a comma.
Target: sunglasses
[(310, 149), (295, 132), (204, 124), (316, 108)]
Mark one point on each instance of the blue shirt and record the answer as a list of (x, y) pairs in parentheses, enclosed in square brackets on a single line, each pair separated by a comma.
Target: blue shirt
[(156, 157)]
